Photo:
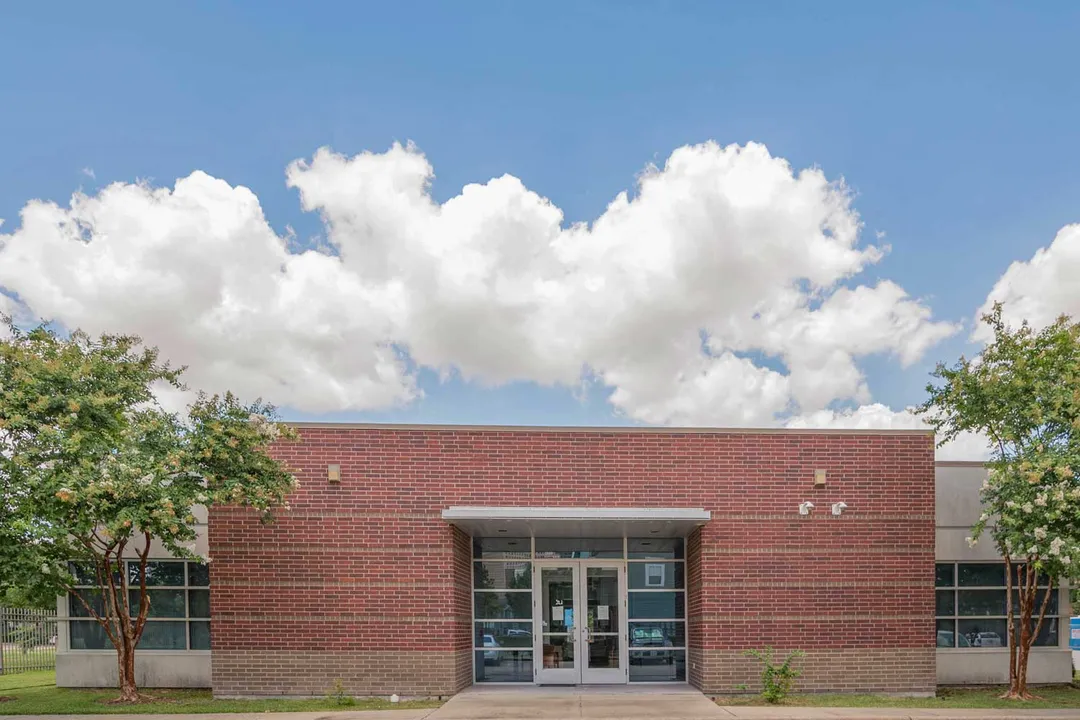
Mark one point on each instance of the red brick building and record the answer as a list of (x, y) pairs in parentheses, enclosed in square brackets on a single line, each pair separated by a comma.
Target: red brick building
[(419, 560)]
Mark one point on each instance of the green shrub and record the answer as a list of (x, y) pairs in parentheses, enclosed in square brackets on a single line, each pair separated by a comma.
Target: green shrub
[(339, 696), (776, 680)]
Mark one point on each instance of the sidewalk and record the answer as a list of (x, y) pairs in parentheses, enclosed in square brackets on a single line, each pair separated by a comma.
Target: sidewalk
[(619, 710), (811, 713)]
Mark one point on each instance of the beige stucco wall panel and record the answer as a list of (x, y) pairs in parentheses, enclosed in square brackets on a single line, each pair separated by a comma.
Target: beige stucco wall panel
[(158, 669), (991, 667)]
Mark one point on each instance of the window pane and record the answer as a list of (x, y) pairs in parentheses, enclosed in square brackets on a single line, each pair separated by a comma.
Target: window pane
[(200, 635), (1043, 580), (504, 666), (163, 636), (502, 606), (647, 576), (198, 574), (495, 548), (158, 572), (980, 602), (86, 575), (982, 633), (503, 635), (657, 665), (502, 575), (198, 603), (946, 602), (579, 547), (945, 575), (88, 635), (986, 574), (163, 603), (93, 599), (1040, 593), (661, 548), (657, 634), (946, 633), (657, 605), (1048, 635)]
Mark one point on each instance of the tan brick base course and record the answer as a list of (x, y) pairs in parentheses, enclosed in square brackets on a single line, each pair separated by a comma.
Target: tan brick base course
[(369, 672), (902, 670)]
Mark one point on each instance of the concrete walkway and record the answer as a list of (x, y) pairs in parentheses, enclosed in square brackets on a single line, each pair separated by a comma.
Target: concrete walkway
[(591, 704), (675, 703)]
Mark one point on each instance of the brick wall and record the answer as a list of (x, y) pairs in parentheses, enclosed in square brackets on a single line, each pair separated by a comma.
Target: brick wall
[(364, 582)]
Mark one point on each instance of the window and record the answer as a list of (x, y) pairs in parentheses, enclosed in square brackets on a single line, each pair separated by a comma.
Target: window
[(972, 610), (502, 609), (654, 575), (656, 599), (179, 616)]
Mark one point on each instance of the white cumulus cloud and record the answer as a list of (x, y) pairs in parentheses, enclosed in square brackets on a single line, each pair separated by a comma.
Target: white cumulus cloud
[(722, 291), (1040, 289), (875, 416)]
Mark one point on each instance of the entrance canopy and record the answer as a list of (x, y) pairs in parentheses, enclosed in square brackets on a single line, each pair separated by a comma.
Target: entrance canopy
[(491, 521)]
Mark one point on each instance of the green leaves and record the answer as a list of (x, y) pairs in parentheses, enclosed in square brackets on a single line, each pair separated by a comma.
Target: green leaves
[(90, 462), (1023, 393)]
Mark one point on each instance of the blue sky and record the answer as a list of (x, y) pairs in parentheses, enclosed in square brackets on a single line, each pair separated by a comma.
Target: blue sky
[(953, 123)]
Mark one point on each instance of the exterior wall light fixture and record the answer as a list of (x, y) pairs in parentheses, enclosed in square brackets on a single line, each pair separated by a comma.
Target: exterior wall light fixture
[(805, 507), (838, 507)]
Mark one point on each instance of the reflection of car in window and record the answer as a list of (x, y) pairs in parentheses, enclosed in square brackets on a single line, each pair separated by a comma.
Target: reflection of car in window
[(490, 657), (987, 639), (945, 640), (649, 638)]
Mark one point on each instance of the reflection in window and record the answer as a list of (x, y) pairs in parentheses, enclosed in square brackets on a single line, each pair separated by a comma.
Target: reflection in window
[(158, 572), (503, 635), (657, 634), (504, 666), (979, 618), (656, 575), (657, 605), (502, 606), (168, 625), (502, 575), (501, 548), (579, 547), (655, 548), (657, 665)]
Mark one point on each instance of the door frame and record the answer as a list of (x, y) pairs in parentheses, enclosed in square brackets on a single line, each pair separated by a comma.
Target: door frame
[(580, 674), (555, 676), (609, 676)]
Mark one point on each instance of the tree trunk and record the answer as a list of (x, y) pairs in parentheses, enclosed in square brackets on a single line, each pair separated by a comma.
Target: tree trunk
[(129, 692), (1021, 639), (1010, 631)]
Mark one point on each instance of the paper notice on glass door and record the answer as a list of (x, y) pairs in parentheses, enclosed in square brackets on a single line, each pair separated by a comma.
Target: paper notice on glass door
[(601, 612)]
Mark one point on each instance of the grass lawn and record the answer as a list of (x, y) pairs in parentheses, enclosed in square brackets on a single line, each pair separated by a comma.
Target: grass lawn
[(35, 693), (1057, 696)]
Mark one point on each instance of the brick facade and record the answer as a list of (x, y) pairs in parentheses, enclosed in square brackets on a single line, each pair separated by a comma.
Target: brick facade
[(363, 581)]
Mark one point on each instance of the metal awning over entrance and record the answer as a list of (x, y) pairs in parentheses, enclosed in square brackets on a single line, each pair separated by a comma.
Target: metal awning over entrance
[(491, 521)]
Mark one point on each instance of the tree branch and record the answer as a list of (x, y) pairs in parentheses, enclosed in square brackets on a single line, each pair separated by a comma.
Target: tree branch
[(144, 598), (1045, 605)]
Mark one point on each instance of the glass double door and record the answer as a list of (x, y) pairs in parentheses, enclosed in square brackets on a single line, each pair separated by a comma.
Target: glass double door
[(580, 622)]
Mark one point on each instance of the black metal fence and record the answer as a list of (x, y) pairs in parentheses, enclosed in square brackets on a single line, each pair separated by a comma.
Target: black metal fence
[(27, 640)]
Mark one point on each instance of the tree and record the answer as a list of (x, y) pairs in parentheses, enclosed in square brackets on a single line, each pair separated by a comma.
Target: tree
[(1022, 393), (94, 470)]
